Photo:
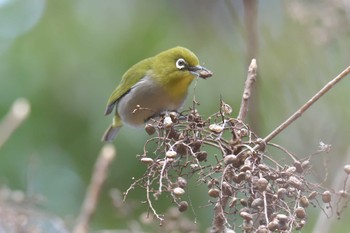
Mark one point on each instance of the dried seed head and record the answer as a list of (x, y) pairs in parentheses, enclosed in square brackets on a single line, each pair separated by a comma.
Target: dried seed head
[(282, 218), (326, 196), (263, 167), (261, 184), (226, 189), (194, 166), (183, 205), (214, 192), (245, 168), (216, 128), (344, 193), (233, 202), (232, 159), (347, 169), (150, 129), (304, 201), (170, 154), (312, 195), (262, 229), (181, 182), (243, 202), (290, 171), (300, 212), (257, 203), (273, 225), (146, 160), (178, 191), (297, 165), (245, 215), (281, 192), (247, 225), (306, 165), (226, 109), (295, 182), (202, 156)]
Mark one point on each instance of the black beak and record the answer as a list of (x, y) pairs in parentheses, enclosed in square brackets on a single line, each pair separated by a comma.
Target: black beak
[(200, 71)]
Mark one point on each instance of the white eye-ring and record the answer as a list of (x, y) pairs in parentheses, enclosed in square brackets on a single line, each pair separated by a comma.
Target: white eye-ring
[(180, 63)]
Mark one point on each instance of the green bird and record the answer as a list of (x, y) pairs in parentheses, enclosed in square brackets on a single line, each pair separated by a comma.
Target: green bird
[(152, 86)]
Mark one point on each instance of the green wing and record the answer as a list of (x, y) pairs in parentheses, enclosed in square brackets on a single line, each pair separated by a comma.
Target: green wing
[(129, 79)]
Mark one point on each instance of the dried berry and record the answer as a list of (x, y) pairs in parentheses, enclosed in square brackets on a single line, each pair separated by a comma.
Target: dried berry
[(183, 205), (300, 212), (150, 129), (326, 196), (146, 160), (178, 191), (214, 192), (181, 182), (347, 169)]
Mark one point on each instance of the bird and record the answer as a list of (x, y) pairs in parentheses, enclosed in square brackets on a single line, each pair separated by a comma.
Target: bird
[(153, 86)]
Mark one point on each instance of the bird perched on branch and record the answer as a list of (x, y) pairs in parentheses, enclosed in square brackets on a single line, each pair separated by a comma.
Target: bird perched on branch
[(152, 86)]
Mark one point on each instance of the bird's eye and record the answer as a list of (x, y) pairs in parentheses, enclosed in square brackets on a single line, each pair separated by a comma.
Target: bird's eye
[(181, 63)]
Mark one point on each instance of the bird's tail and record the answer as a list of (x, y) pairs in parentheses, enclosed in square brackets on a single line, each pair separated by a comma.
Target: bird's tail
[(112, 130)]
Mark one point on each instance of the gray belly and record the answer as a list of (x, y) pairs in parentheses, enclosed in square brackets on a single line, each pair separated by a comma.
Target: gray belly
[(145, 100)]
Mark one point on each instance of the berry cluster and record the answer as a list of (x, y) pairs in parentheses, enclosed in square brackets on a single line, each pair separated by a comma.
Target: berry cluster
[(242, 179)]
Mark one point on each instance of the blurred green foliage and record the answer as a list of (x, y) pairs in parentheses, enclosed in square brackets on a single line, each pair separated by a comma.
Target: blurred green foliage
[(66, 57)]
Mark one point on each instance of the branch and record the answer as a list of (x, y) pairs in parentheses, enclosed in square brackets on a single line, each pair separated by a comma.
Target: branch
[(19, 111), (99, 175), (307, 105), (248, 86)]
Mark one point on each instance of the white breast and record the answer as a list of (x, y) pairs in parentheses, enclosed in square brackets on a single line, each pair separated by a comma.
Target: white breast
[(146, 99)]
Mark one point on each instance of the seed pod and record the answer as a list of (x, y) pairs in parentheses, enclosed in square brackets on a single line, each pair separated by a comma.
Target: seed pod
[(226, 189), (178, 191), (326, 196), (262, 229), (263, 167), (257, 202), (170, 154), (216, 128), (181, 182), (282, 218), (295, 182), (214, 192), (273, 225), (347, 169), (247, 216), (344, 193), (290, 171), (202, 156), (243, 202), (297, 165), (312, 195), (146, 160), (183, 205), (233, 202), (262, 184), (247, 225), (230, 159), (305, 165), (300, 212), (304, 201), (281, 192), (150, 129)]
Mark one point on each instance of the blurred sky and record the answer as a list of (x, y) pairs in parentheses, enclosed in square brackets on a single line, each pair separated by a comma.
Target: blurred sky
[(66, 57)]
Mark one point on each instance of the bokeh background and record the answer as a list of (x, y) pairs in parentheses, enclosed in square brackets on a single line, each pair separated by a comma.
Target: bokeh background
[(66, 57)]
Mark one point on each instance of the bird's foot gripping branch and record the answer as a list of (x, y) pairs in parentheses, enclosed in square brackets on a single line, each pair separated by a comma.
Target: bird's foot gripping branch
[(247, 187)]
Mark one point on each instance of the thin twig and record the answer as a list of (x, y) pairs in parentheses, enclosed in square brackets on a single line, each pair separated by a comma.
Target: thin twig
[(19, 111), (251, 77), (99, 175), (307, 105)]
